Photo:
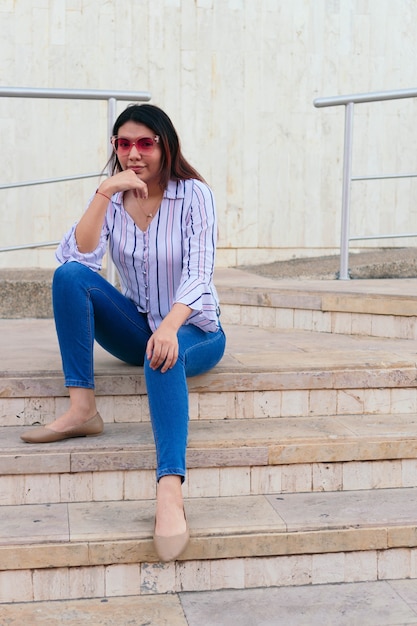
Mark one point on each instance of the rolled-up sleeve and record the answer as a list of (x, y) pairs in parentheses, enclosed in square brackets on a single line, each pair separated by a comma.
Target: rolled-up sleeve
[(67, 250), (196, 288)]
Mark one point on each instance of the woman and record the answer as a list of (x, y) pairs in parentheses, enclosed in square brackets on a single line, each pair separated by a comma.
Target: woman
[(157, 217)]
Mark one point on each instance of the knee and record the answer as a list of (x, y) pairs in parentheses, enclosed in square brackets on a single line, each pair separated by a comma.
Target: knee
[(70, 269), (68, 275)]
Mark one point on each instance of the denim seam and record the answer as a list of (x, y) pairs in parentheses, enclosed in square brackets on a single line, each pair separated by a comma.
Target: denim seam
[(212, 339), (171, 471), (122, 313), (91, 341), (78, 383)]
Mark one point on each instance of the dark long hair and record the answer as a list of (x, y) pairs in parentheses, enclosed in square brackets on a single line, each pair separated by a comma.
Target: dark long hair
[(174, 166)]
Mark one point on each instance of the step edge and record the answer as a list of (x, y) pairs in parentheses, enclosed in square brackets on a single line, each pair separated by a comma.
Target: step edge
[(209, 545)]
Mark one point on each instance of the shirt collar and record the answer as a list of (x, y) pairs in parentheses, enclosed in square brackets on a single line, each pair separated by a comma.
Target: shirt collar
[(175, 189)]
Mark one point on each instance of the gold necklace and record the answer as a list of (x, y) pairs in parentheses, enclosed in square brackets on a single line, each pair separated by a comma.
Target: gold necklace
[(151, 214)]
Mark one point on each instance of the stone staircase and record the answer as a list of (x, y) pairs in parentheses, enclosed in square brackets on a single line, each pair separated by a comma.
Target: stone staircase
[(302, 456)]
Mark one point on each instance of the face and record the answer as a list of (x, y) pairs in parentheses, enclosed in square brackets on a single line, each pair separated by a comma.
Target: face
[(144, 162)]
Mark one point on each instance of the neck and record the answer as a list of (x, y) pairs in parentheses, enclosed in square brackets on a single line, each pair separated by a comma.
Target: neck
[(155, 191)]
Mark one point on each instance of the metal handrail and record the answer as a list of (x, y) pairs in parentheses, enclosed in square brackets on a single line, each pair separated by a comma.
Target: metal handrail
[(349, 101), (30, 246), (47, 181), (111, 96)]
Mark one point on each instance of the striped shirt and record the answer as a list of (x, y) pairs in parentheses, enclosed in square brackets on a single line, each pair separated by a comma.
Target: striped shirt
[(172, 261)]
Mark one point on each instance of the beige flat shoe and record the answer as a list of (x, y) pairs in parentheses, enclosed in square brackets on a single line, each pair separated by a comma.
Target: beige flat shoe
[(170, 548), (92, 427)]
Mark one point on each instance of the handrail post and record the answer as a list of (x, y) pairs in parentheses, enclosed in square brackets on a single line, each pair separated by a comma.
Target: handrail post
[(111, 118), (348, 101), (347, 179)]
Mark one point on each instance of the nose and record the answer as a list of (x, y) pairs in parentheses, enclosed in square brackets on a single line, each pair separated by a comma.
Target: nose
[(135, 151)]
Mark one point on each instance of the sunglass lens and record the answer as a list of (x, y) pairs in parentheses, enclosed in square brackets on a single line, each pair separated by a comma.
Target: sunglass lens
[(123, 145), (145, 144)]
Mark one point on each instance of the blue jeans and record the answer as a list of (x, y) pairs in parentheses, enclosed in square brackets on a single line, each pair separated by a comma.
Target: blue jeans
[(88, 308)]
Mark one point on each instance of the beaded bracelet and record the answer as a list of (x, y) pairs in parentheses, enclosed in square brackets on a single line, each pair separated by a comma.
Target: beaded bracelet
[(103, 194)]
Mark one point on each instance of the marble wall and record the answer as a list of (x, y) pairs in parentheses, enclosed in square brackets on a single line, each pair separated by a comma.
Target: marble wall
[(238, 78)]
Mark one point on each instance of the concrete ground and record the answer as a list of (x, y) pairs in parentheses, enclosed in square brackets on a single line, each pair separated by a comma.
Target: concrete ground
[(379, 603), (373, 263)]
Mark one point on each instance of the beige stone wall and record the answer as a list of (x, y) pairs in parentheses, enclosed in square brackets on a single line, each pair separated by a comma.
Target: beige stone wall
[(238, 78)]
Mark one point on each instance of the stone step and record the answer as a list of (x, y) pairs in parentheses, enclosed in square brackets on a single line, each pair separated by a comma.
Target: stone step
[(102, 549), (302, 457), (25, 293), (378, 307), (264, 373), (225, 457)]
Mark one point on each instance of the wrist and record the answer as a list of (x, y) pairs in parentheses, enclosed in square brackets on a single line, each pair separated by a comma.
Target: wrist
[(170, 325), (99, 192), (177, 316), (107, 187)]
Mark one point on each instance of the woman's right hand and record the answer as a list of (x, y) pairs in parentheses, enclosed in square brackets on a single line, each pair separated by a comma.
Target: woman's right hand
[(124, 181)]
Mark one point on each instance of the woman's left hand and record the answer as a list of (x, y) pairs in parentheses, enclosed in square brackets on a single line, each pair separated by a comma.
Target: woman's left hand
[(162, 348)]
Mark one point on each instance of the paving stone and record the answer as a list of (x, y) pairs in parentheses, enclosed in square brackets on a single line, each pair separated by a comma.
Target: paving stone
[(381, 603), (359, 604)]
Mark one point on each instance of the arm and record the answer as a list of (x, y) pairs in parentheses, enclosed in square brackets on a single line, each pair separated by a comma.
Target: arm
[(88, 230)]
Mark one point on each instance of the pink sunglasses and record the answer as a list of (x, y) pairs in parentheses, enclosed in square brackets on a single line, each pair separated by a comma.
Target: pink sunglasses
[(144, 145)]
